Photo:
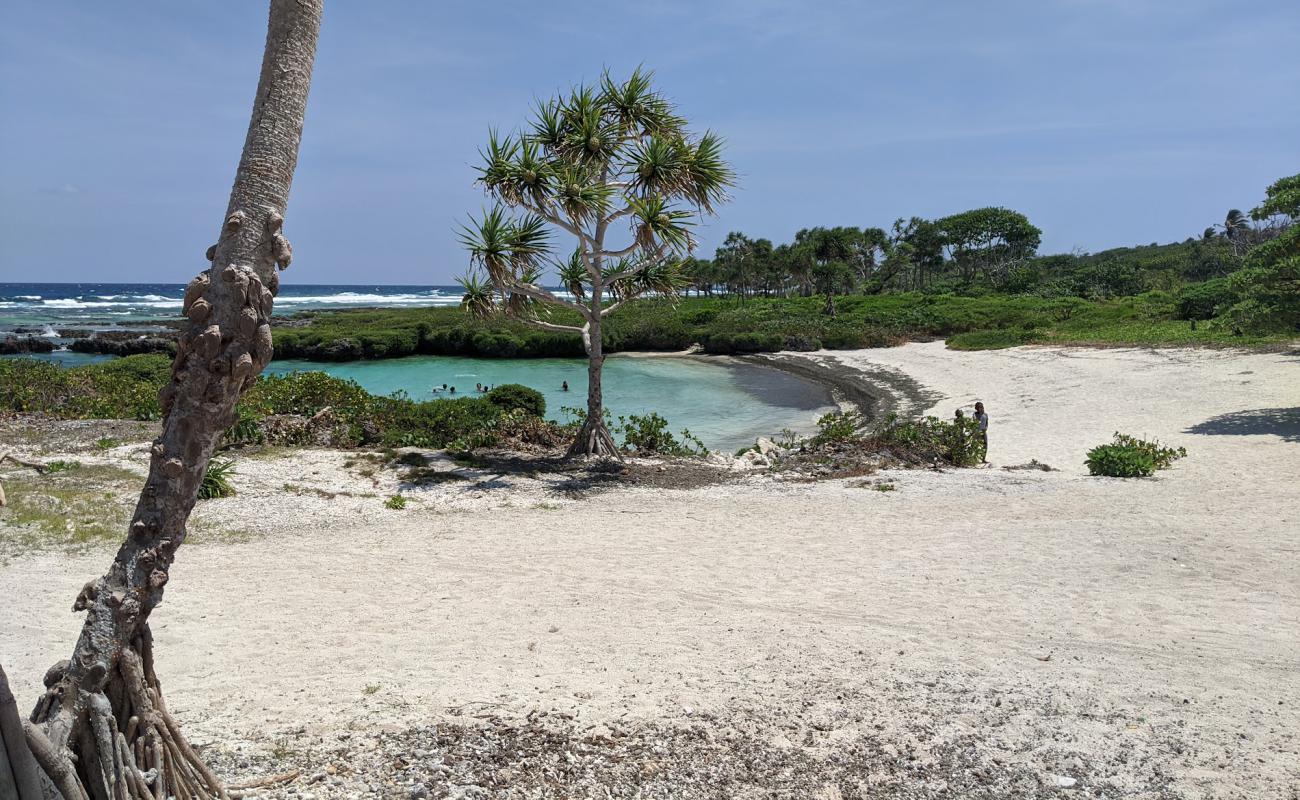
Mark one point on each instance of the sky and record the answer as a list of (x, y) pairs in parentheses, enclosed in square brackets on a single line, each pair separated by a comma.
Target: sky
[(1107, 122)]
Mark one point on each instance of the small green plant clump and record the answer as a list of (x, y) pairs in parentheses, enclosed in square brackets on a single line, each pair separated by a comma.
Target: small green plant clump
[(648, 434), (216, 480), (1129, 457), (396, 502), (838, 426), (517, 397)]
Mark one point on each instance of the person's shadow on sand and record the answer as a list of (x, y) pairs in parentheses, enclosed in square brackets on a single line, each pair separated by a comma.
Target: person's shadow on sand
[(1283, 422)]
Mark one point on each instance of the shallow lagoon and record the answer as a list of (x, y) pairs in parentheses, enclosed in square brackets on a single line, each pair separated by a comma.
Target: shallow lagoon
[(725, 403)]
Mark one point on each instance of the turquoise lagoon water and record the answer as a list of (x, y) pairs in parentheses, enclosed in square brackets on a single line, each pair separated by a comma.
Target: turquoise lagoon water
[(726, 404)]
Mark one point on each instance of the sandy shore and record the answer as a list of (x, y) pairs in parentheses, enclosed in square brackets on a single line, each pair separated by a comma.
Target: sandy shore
[(976, 633)]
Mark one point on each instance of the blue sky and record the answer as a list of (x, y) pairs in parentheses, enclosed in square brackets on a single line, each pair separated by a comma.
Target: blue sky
[(1108, 122)]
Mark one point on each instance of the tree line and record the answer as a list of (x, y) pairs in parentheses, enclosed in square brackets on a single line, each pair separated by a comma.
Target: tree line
[(983, 244), (995, 250)]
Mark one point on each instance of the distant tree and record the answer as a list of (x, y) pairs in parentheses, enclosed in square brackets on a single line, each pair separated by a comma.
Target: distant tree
[(924, 254), (989, 240), (598, 157), (1269, 284), (739, 262), (832, 253)]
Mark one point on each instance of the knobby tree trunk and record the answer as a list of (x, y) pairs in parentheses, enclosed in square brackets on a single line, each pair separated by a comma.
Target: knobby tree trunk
[(594, 438), (102, 729)]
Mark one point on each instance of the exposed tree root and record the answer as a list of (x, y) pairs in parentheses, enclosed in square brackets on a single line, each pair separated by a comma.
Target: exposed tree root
[(594, 439), (126, 745)]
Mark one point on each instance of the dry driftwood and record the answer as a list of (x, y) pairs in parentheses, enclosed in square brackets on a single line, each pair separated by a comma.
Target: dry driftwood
[(39, 467)]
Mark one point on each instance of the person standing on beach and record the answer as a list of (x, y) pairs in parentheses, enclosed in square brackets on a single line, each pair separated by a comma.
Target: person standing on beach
[(983, 419)]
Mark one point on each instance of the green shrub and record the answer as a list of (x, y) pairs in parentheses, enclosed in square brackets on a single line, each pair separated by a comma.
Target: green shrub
[(1204, 301), (728, 343), (838, 426), (396, 502), (437, 423), (931, 439), (992, 340), (516, 396), (649, 434), (216, 480), (1130, 457)]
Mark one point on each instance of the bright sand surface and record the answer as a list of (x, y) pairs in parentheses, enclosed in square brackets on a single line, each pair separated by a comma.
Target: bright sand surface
[(1170, 607)]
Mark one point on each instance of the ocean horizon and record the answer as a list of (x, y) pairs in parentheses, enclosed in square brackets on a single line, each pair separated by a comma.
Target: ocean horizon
[(41, 308)]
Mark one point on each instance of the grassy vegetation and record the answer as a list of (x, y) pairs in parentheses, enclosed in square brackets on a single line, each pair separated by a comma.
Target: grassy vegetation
[(767, 324), (124, 388), (76, 505)]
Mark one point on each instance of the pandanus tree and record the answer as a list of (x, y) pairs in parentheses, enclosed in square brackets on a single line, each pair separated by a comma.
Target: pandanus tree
[(597, 162), (102, 729)]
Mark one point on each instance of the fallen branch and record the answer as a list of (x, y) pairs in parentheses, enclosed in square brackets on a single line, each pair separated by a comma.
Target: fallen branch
[(39, 467), (238, 790)]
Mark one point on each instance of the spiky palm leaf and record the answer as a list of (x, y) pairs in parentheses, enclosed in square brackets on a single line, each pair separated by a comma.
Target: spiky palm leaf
[(529, 243), (664, 278), (548, 126), (528, 177), (617, 277), (709, 175), (496, 159), (519, 304), (504, 247), (582, 195), (658, 224), (658, 166), (490, 241), (573, 275), (479, 297), (640, 110)]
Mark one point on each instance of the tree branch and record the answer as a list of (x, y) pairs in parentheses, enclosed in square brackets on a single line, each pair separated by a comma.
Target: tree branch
[(554, 219), (538, 293), (551, 326), (626, 251)]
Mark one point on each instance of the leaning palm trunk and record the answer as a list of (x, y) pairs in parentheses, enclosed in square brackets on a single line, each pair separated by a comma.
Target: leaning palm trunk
[(102, 730)]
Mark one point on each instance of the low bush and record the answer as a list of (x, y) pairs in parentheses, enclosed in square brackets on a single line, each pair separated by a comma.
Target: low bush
[(1130, 457), (837, 426), (516, 396), (649, 434), (931, 439), (992, 340), (124, 388), (1205, 301)]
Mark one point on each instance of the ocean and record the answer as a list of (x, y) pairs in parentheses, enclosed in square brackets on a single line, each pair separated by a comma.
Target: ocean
[(725, 403), (43, 307)]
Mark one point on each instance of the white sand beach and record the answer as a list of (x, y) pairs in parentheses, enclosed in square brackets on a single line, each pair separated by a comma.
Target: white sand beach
[(1134, 638)]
